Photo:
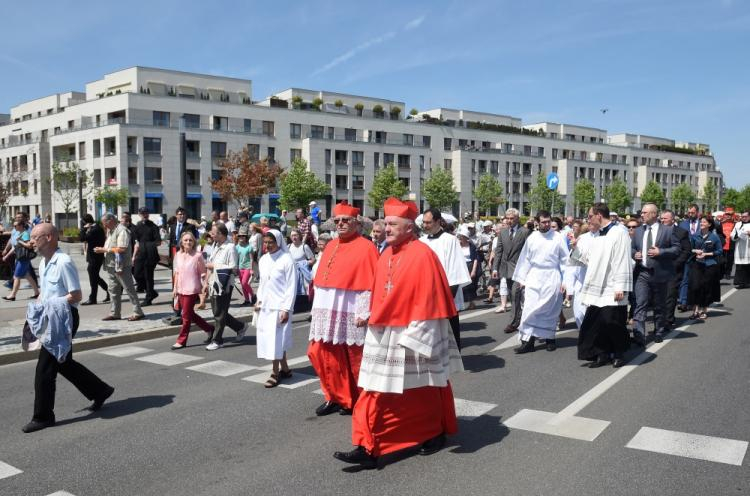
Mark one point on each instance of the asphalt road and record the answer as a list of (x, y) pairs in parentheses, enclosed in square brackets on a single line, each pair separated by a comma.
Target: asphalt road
[(169, 430)]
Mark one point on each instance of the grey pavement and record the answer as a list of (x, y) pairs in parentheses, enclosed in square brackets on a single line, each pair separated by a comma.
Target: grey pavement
[(200, 422)]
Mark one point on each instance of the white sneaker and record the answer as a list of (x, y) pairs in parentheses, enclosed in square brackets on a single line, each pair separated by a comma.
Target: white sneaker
[(241, 333), (214, 346), (500, 309)]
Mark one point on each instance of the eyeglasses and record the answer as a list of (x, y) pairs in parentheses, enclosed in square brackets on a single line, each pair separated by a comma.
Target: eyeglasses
[(345, 220), (632, 227)]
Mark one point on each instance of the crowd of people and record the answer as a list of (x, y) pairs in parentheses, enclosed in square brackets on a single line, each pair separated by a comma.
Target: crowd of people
[(384, 335)]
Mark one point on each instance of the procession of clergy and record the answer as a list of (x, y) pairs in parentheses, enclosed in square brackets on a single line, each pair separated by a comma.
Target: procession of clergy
[(385, 336)]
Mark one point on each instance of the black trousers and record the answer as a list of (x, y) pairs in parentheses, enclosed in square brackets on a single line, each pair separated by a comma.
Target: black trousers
[(93, 268), (45, 380), (517, 296), (454, 322), (673, 294), (220, 308), (144, 269)]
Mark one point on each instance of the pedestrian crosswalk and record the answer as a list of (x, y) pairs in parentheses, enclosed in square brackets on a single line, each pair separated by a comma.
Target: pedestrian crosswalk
[(9, 471)]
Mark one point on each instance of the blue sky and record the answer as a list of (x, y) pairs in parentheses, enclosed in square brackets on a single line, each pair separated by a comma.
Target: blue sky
[(676, 69)]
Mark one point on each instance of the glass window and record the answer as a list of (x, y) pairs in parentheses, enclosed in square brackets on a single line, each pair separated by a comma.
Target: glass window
[(218, 149), (341, 182), (192, 121), (152, 146), (153, 205), (358, 182), (358, 158), (447, 144), (316, 132), (253, 151), (295, 154), (152, 175), (247, 125), (295, 131), (268, 129), (161, 118), (350, 134)]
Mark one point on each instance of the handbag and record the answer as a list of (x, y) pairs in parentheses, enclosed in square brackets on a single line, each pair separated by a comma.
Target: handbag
[(24, 254)]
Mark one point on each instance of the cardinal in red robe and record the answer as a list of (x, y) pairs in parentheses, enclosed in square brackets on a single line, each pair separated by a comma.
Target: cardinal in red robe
[(409, 351), (343, 281)]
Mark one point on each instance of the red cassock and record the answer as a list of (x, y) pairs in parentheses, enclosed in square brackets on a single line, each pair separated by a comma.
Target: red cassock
[(344, 265), (410, 285)]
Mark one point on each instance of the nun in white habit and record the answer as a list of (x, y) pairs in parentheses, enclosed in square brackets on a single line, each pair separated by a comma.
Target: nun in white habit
[(276, 295)]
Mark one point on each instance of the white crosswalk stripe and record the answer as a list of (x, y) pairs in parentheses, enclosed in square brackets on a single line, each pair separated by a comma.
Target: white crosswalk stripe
[(697, 446), (125, 351), (8, 470), (221, 368), (168, 358), (469, 410), (61, 493)]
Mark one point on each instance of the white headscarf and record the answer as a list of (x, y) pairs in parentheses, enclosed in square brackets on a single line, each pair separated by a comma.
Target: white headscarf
[(279, 239)]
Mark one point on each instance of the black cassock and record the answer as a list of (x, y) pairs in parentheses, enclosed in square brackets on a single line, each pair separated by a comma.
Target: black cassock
[(603, 331)]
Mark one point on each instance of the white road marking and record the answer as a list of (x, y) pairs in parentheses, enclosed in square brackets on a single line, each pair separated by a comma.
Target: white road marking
[(469, 410), (566, 423), (125, 351), (296, 381), (168, 358), (292, 361), (467, 316), (697, 446), (61, 493), (318, 391), (8, 470), (221, 368)]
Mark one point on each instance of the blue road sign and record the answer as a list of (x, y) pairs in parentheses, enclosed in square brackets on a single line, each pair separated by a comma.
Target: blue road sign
[(552, 181)]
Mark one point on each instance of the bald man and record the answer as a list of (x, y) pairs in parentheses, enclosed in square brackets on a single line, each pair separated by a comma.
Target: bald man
[(60, 294)]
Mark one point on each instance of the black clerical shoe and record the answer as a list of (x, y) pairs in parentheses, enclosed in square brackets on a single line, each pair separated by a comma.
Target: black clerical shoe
[(37, 425), (658, 337), (639, 339), (345, 411), (509, 329), (551, 345), (601, 361), (327, 408), (433, 445), (526, 346), (146, 302), (618, 362), (357, 456), (88, 302), (97, 404)]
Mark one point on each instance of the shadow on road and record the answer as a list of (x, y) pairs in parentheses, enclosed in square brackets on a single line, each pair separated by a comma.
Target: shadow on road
[(475, 434), (473, 326), (124, 407), (479, 363), (467, 342)]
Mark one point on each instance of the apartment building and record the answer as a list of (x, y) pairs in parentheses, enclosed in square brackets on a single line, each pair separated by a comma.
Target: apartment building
[(163, 133)]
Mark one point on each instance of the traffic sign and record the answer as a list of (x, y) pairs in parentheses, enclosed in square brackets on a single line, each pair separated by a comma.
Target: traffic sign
[(552, 181)]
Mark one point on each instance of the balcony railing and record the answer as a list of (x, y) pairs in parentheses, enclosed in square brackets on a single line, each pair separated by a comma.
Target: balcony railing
[(497, 151), (372, 140)]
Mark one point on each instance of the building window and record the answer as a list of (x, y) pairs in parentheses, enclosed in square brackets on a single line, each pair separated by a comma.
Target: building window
[(191, 121), (350, 134), (247, 125), (132, 175), (152, 175), (448, 163), (268, 128), (271, 154), (253, 151), (427, 141), (421, 162), (81, 151), (154, 204), (193, 177), (358, 158), (295, 154), (405, 181), (409, 139), (404, 161), (193, 150), (218, 149), (331, 133), (152, 146), (161, 119), (97, 148), (328, 159), (340, 157), (358, 182), (376, 159), (295, 131), (341, 182), (388, 159), (316, 132), (220, 123), (110, 146)]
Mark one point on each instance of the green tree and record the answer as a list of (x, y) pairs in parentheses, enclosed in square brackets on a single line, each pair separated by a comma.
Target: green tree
[(744, 204), (710, 195), (112, 197), (543, 198), (682, 196), (617, 196), (68, 182), (584, 196), (385, 185), (299, 186), (653, 193), (439, 190), (731, 198), (489, 193)]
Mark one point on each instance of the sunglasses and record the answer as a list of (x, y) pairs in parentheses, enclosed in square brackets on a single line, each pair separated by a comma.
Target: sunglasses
[(345, 220)]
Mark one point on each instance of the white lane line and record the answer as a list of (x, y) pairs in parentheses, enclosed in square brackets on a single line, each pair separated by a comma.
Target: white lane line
[(697, 446), (221, 368), (61, 493), (566, 423), (125, 351), (469, 410), (168, 358), (467, 316), (8, 470)]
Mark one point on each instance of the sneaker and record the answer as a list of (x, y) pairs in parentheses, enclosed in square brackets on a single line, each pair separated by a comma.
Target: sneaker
[(241, 333), (213, 346)]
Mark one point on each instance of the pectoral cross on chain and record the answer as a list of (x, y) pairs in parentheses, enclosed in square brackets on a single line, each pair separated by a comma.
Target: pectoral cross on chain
[(388, 287)]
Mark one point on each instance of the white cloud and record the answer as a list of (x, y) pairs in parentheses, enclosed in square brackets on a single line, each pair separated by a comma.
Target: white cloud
[(414, 23), (354, 51)]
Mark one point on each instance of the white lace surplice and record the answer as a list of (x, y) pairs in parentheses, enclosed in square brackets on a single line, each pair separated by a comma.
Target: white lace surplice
[(395, 358), (334, 316)]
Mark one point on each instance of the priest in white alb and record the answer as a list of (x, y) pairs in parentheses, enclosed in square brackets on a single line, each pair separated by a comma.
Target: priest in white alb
[(741, 238), (449, 252), (577, 274), (539, 271)]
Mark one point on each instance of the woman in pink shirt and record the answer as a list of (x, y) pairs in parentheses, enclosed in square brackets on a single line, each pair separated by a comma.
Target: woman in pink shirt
[(189, 271)]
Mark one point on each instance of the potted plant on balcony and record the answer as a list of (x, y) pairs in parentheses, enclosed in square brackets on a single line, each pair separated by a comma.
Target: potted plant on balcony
[(413, 113), (359, 107), (395, 111), (296, 101), (338, 103), (317, 102), (378, 111)]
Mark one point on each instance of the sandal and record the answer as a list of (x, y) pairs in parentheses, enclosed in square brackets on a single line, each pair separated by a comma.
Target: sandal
[(703, 316), (487, 300), (285, 374), (272, 381), (695, 316)]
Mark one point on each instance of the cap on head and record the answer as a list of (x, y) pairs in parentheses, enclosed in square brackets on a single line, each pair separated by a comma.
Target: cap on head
[(143, 210), (344, 208), (311, 204), (397, 208)]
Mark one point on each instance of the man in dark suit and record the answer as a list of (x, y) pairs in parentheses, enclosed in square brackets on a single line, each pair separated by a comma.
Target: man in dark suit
[(509, 244), (692, 225), (654, 248), (673, 289), (176, 230)]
